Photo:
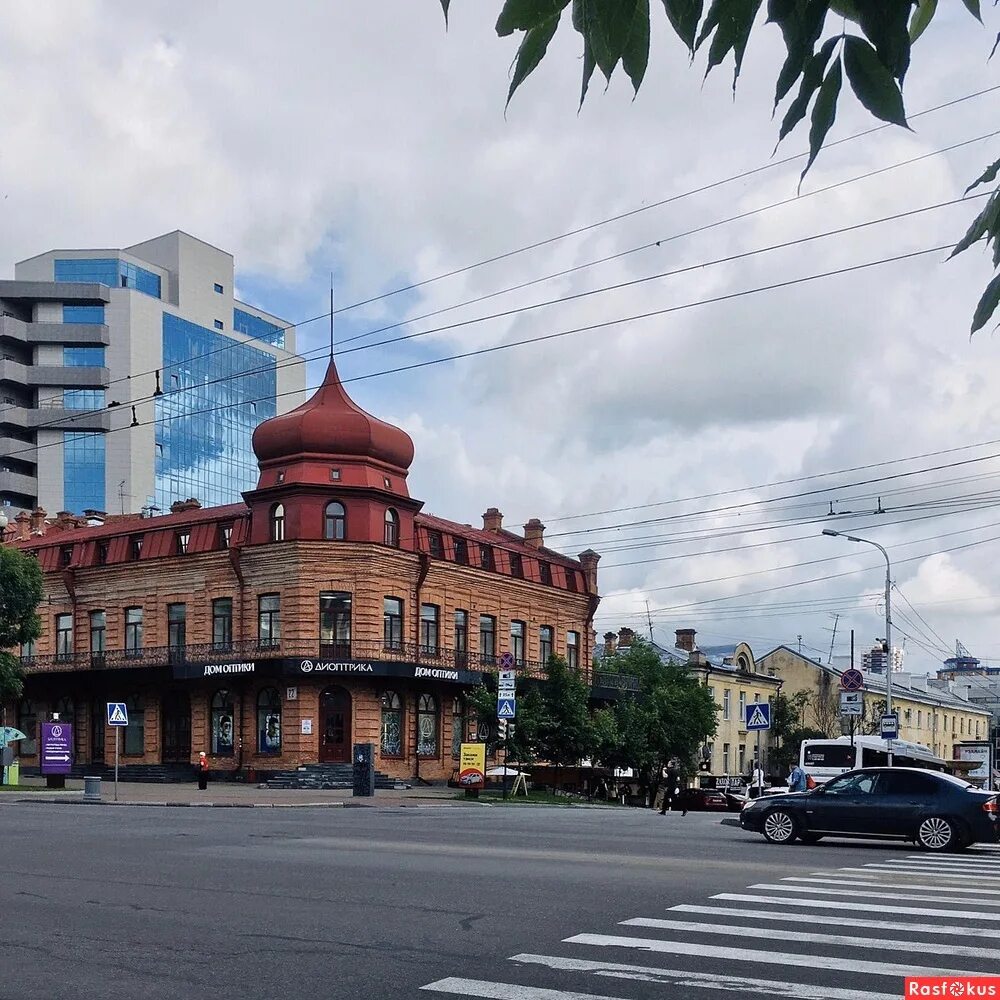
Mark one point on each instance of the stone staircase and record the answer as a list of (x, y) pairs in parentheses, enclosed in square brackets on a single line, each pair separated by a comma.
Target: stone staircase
[(326, 776), (158, 774)]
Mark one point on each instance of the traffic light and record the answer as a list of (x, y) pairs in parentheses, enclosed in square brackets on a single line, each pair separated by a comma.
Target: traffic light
[(510, 730), (502, 729)]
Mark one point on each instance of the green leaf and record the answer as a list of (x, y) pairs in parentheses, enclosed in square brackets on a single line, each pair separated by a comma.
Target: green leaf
[(972, 6), (812, 77), (711, 22), (444, 6), (984, 223), (987, 305), (871, 82), (531, 52), (801, 23), (846, 8), (885, 23), (635, 58), (921, 18), (523, 15), (988, 175), (824, 113), (734, 21), (684, 16), (589, 65), (993, 51)]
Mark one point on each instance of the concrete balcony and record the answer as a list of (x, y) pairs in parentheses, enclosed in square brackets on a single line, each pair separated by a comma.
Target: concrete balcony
[(21, 450), (69, 376), (78, 292), (55, 418), (77, 334), (18, 482)]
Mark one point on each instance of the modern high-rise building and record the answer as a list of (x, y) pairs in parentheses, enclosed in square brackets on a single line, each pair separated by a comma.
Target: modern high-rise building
[(873, 660), (134, 378)]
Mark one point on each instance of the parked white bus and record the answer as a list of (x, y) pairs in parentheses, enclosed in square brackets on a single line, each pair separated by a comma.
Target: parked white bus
[(825, 759)]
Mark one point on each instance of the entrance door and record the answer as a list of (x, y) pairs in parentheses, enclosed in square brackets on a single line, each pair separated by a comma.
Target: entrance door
[(176, 728), (97, 712), (335, 726)]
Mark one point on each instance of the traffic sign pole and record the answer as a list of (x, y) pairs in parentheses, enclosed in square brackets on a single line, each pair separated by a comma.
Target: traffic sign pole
[(117, 732)]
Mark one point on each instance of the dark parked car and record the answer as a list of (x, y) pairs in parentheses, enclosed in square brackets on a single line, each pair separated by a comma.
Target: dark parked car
[(703, 799), (937, 811)]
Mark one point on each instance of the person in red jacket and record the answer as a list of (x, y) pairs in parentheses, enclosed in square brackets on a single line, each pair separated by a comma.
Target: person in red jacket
[(202, 767)]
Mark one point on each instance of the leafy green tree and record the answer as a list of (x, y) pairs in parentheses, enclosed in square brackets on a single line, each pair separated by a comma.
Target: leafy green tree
[(20, 594), (788, 732), (566, 732), (867, 41), (522, 746), (670, 716)]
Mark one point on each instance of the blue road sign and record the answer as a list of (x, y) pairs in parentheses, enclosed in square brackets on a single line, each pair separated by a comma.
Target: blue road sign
[(889, 726), (506, 708), (117, 713), (758, 716), (852, 680)]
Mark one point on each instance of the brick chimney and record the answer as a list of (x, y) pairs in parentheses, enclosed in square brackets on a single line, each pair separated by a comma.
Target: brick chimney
[(685, 639), (22, 526), (534, 533), (492, 519), (609, 643), (38, 516), (625, 637), (589, 559), (180, 506)]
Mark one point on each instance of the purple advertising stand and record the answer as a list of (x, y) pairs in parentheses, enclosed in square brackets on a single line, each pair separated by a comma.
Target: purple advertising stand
[(57, 752)]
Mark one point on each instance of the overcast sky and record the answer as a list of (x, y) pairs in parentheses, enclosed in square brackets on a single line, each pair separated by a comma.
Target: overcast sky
[(363, 138)]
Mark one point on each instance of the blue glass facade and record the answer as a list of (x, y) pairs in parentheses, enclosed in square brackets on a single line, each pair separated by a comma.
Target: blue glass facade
[(202, 454), (83, 471), (83, 399), (83, 314), (259, 329), (83, 357), (108, 271)]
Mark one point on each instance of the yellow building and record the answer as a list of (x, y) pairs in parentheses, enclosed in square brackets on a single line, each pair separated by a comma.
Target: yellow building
[(737, 682), (935, 716)]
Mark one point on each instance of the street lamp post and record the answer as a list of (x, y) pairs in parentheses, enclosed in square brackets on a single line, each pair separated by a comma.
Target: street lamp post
[(888, 621)]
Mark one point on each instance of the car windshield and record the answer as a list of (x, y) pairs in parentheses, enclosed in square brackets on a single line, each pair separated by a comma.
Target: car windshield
[(859, 783)]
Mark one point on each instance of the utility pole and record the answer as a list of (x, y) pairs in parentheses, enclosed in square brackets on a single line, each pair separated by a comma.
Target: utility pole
[(800, 645), (836, 619), (649, 621)]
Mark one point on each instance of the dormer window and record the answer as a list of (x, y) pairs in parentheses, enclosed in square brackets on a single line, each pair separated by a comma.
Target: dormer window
[(135, 547), (226, 535), (545, 573), (335, 522), (102, 553), (278, 523), (434, 544), (183, 541), (486, 556), (516, 566), (65, 555), (571, 581), (461, 551), (391, 528), (335, 475)]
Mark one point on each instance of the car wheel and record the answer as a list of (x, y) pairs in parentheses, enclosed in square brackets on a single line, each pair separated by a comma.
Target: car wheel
[(810, 838), (937, 834), (780, 827)]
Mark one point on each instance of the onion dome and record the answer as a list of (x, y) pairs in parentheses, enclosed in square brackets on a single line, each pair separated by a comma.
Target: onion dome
[(331, 425)]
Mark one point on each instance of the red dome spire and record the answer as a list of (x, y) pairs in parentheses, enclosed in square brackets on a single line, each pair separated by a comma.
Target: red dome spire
[(330, 424)]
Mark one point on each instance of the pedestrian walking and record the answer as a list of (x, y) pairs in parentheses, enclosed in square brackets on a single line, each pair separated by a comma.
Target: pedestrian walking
[(796, 778), (672, 792), (202, 767), (756, 782)]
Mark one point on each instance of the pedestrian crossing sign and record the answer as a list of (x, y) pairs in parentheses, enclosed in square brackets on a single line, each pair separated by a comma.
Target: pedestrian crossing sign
[(117, 713), (758, 716)]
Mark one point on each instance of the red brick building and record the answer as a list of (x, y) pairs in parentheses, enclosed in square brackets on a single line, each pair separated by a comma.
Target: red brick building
[(324, 611)]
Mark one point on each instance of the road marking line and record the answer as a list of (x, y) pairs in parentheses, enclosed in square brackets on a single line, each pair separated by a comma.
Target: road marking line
[(885, 885), (930, 870), (836, 904), (835, 962), (855, 893), (963, 860), (849, 920), (896, 873), (888, 944), (505, 991), (705, 980)]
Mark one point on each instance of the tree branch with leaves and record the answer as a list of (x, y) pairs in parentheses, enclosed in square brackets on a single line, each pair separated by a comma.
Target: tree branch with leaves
[(867, 41)]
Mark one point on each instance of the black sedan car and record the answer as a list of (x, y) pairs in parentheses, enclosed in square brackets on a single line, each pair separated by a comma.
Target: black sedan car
[(937, 811)]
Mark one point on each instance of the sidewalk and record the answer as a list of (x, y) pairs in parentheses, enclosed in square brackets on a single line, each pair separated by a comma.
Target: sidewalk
[(231, 795)]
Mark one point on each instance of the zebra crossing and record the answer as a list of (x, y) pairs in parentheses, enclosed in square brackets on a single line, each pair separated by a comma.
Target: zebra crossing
[(850, 933)]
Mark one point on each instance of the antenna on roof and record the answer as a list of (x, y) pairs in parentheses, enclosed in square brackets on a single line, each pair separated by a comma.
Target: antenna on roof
[(332, 339)]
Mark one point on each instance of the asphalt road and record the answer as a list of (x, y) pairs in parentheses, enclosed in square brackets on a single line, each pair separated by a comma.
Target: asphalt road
[(511, 903)]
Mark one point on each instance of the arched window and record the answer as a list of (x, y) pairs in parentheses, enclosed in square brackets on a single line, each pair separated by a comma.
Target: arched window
[(269, 721), (135, 731), (391, 528), (278, 523), (457, 727), (222, 724), (427, 726), (392, 725), (27, 722), (335, 522)]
